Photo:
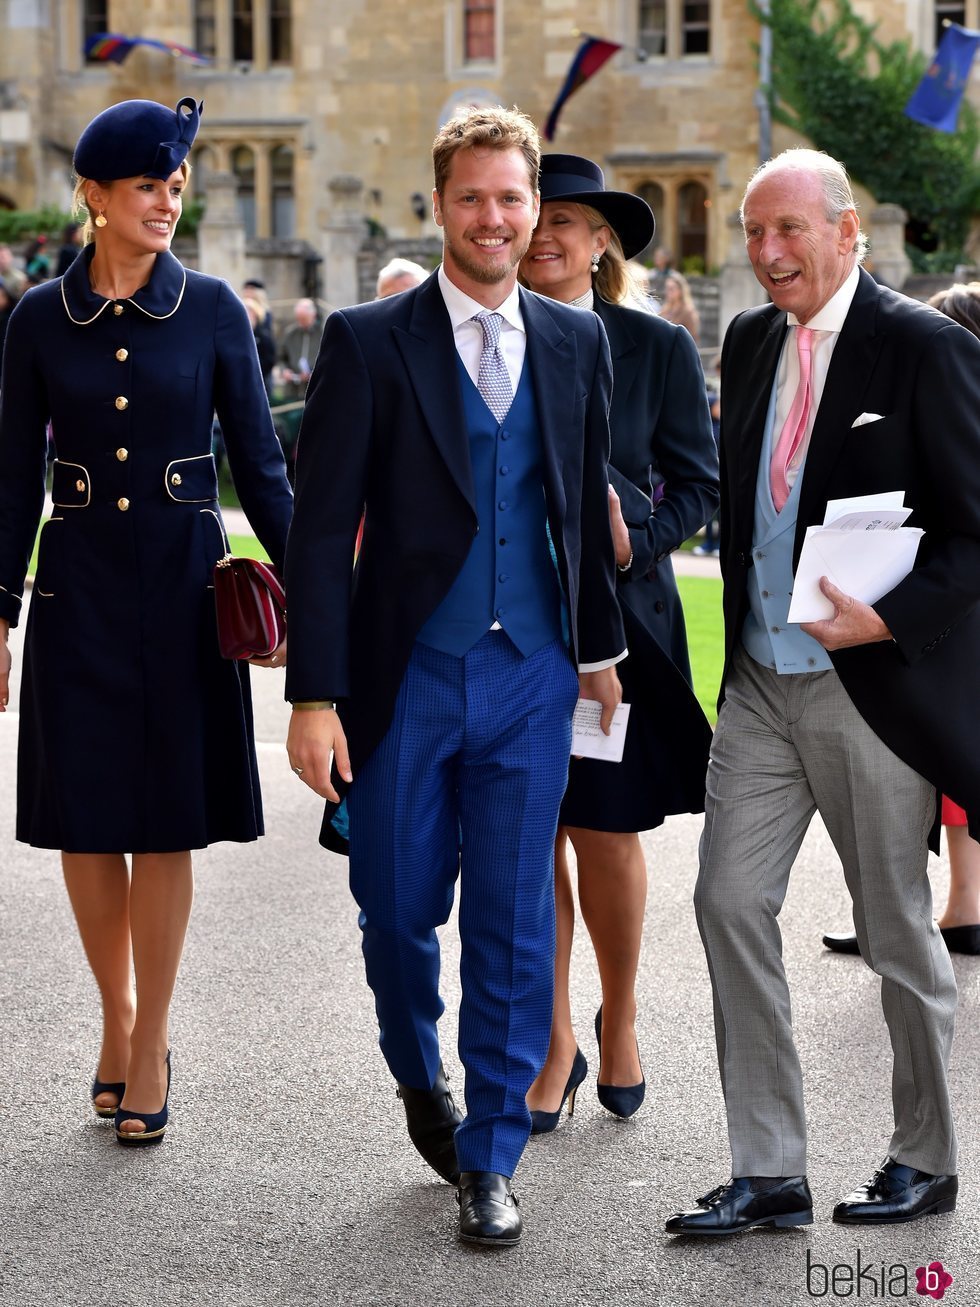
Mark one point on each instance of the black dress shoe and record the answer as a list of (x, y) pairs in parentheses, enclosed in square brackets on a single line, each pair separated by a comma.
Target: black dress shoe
[(488, 1209), (962, 939), (842, 943), (897, 1193), (958, 939), (432, 1121), (749, 1200)]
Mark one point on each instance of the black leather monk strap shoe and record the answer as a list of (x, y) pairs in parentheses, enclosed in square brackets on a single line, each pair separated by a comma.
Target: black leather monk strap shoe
[(432, 1120), (488, 1209)]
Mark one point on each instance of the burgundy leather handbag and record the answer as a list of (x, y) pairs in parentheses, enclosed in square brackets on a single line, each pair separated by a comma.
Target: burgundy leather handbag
[(250, 604)]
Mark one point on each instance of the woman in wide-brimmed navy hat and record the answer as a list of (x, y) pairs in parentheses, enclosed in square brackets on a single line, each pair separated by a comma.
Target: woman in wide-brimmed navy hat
[(135, 735), (663, 475)]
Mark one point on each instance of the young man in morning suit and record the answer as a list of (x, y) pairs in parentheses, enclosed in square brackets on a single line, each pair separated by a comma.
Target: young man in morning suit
[(442, 675), (839, 387)]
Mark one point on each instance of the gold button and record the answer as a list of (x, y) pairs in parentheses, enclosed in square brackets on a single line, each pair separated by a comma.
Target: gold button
[(121, 402), (122, 455), (175, 479), (80, 485), (117, 309), (122, 505), (122, 355)]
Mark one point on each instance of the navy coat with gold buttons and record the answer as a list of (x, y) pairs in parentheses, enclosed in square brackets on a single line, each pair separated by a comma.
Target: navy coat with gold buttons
[(135, 734)]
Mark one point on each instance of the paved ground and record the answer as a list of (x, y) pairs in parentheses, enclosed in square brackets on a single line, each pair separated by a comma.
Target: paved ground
[(287, 1178)]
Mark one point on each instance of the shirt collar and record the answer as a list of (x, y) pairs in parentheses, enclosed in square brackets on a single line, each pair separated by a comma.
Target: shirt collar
[(462, 308), (831, 316), (159, 298)]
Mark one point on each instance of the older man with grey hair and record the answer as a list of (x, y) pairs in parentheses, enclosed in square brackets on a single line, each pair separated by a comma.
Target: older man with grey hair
[(398, 275), (839, 388)]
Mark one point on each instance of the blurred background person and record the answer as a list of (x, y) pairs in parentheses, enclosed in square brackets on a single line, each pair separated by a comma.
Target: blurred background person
[(399, 275), (71, 243), (960, 922), (12, 276), (257, 306), (678, 305), (663, 263), (298, 349), (37, 264), (135, 735), (661, 432)]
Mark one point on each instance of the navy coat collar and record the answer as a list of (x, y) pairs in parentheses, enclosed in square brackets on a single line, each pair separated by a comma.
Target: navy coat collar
[(159, 298)]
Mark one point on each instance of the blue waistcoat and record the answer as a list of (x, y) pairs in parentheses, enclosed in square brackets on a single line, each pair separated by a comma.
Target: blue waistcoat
[(509, 575), (766, 634)]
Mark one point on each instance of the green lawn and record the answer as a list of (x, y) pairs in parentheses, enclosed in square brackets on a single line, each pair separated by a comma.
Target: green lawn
[(701, 597)]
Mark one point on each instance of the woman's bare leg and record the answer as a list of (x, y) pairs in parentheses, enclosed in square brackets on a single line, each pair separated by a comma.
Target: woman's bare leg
[(98, 889), (963, 904), (612, 891), (159, 908)]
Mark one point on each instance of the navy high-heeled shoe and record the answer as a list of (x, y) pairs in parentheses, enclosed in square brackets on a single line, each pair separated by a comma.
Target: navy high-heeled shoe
[(155, 1122), (543, 1123), (117, 1087), (621, 1100)]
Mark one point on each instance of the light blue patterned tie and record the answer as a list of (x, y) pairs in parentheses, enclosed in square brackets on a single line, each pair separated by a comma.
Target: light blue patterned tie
[(493, 381)]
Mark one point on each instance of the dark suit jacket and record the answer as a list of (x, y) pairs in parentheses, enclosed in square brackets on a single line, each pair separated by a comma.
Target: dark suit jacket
[(384, 430), (661, 432), (921, 371)]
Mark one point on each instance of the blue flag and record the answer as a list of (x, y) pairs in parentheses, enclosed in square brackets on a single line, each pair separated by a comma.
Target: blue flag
[(936, 100)]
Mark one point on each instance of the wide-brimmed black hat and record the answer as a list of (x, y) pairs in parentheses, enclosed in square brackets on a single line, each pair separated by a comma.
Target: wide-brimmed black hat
[(137, 138), (575, 180)]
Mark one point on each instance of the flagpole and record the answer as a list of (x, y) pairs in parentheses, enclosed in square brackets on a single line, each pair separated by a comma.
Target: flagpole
[(763, 92)]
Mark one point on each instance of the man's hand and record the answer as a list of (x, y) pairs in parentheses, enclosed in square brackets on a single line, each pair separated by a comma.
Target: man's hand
[(313, 737), (605, 687), (852, 623)]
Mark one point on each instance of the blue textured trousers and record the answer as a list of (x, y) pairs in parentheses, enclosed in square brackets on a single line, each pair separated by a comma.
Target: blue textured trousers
[(467, 781)]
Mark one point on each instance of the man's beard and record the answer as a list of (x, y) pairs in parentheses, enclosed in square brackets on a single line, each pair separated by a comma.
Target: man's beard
[(488, 273)]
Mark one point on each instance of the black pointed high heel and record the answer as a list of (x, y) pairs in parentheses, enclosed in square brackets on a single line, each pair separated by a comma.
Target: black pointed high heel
[(543, 1123), (621, 1100), (155, 1122), (117, 1087)]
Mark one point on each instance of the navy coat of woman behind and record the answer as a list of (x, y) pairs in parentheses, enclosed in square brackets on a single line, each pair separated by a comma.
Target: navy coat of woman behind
[(135, 734)]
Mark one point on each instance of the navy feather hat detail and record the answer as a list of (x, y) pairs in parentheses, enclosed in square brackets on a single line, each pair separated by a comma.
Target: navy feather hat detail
[(137, 138)]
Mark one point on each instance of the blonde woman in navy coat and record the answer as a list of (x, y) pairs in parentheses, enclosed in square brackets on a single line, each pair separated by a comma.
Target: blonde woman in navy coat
[(135, 735), (663, 477)]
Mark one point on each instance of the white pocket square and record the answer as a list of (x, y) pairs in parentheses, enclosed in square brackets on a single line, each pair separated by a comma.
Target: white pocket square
[(865, 418)]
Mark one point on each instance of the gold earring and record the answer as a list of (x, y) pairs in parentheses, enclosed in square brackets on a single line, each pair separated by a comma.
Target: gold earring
[(101, 220)]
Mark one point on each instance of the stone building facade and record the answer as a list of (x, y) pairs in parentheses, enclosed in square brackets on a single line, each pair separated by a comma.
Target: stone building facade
[(319, 114)]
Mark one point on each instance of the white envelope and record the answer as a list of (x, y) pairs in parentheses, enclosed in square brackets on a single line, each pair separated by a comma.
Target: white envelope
[(885, 499), (864, 564)]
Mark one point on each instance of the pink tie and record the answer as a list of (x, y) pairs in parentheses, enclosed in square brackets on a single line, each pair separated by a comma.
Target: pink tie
[(794, 428)]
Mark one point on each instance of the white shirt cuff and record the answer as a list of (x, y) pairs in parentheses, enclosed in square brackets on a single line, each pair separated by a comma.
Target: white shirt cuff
[(601, 667)]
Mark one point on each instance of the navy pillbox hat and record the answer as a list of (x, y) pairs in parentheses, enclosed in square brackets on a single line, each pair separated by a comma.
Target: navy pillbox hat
[(137, 138)]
